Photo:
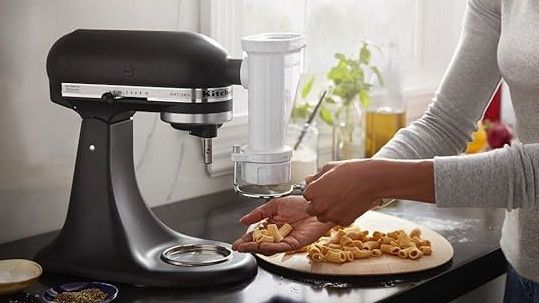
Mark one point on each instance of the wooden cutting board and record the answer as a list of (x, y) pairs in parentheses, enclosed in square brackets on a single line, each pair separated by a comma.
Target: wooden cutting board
[(384, 265)]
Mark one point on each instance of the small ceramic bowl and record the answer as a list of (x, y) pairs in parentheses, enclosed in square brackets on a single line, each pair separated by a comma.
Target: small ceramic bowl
[(50, 295), (17, 274)]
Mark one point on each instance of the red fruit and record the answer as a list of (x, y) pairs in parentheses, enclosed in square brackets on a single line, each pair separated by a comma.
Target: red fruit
[(498, 134)]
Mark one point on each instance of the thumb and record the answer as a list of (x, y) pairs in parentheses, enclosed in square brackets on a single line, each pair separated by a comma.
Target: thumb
[(260, 213)]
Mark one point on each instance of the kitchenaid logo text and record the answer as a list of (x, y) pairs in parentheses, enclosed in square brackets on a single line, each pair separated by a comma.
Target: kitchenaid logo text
[(199, 93), (214, 93)]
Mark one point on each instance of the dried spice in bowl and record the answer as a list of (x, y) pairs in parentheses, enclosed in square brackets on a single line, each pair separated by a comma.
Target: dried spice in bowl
[(90, 295)]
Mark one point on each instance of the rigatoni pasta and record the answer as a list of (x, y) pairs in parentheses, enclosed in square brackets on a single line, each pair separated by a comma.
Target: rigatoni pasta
[(346, 244), (271, 233)]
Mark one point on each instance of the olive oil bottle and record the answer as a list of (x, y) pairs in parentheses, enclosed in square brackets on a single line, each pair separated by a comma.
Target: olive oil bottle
[(385, 114), (380, 127)]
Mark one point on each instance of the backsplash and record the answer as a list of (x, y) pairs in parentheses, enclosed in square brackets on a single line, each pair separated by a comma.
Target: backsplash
[(39, 138)]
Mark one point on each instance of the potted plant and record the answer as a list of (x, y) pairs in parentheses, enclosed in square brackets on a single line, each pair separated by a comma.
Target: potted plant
[(350, 83), (348, 95)]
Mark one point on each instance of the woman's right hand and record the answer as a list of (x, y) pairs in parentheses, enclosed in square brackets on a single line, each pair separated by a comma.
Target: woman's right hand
[(292, 210), (328, 166)]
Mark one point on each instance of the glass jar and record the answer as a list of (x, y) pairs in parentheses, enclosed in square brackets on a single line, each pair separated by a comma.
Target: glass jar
[(348, 133), (305, 153)]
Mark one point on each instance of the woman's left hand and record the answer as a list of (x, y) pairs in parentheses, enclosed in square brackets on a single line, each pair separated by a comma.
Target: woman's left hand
[(343, 191)]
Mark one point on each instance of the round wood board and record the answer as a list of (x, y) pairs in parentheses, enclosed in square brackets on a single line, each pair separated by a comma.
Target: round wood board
[(384, 265)]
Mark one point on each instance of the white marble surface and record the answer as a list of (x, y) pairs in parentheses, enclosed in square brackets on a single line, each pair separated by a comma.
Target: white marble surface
[(38, 139)]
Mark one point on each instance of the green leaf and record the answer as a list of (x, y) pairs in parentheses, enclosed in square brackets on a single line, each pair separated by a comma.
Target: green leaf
[(326, 116), (330, 100), (307, 88), (376, 71), (301, 111), (365, 54), (364, 98)]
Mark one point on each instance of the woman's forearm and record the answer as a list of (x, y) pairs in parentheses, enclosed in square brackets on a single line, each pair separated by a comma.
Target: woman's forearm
[(405, 179)]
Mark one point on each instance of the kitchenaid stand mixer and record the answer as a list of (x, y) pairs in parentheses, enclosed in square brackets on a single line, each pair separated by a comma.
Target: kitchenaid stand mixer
[(106, 76)]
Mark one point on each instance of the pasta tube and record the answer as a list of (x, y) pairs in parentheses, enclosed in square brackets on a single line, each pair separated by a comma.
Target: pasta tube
[(390, 249), (370, 245), (416, 232), (264, 238), (425, 243), (377, 235), (376, 253), (257, 233), (317, 257), (404, 241), (274, 230), (285, 229), (414, 253), (361, 254), (349, 255), (403, 253), (335, 256), (426, 250), (346, 241)]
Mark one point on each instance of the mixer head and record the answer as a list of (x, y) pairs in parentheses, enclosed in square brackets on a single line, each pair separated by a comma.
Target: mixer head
[(110, 74)]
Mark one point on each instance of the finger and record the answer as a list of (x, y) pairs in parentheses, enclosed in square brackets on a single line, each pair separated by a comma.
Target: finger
[(248, 237), (344, 223), (248, 247), (317, 208), (310, 179), (323, 219), (269, 248), (273, 220), (309, 191), (323, 170), (260, 213), (311, 210)]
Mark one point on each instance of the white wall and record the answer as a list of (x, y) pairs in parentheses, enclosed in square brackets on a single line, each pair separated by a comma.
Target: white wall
[(38, 139)]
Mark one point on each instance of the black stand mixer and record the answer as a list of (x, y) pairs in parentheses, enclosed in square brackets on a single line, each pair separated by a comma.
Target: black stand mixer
[(106, 76)]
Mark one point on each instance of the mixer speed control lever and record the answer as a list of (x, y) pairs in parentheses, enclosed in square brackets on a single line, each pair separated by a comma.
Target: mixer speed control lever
[(110, 97)]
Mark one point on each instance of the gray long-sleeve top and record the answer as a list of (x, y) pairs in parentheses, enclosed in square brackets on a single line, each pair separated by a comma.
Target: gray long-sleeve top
[(500, 38)]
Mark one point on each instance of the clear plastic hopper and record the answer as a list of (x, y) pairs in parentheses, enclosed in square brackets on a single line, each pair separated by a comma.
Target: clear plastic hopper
[(271, 71)]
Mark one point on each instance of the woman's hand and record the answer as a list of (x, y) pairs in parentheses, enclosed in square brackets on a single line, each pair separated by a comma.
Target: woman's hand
[(342, 191), (292, 210)]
